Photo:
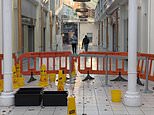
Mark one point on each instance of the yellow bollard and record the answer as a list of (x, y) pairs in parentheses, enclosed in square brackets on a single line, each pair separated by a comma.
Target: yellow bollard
[(43, 77), (52, 78), (1, 85), (60, 86), (116, 95), (71, 106)]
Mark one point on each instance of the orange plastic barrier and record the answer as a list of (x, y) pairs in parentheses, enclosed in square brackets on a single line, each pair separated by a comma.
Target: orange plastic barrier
[(141, 67), (55, 61), (96, 62)]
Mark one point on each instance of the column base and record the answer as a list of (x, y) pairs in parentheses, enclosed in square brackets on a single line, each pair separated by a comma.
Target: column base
[(132, 99), (6, 99)]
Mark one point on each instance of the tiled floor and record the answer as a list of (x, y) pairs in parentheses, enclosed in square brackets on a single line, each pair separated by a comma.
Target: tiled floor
[(92, 98), (96, 101)]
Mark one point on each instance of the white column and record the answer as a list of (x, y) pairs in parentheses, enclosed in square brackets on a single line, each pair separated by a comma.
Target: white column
[(1, 27), (110, 34), (104, 34), (132, 96), (7, 97), (121, 28), (47, 39), (37, 29), (101, 33), (54, 41)]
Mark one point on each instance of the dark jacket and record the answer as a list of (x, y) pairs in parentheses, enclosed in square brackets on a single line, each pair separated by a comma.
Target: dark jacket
[(85, 41)]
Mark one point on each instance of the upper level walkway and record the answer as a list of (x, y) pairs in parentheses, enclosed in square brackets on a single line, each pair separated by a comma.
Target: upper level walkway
[(92, 96)]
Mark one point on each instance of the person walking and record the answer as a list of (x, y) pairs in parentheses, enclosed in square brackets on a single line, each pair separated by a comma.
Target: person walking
[(85, 43), (74, 42)]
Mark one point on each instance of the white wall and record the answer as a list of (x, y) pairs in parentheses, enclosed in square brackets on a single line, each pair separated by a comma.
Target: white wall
[(144, 27), (38, 29), (151, 26), (89, 28), (104, 33), (15, 26)]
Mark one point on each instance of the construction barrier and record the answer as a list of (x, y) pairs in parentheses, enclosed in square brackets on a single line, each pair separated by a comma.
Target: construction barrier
[(55, 61), (114, 63), (95, 62), (92, 62)]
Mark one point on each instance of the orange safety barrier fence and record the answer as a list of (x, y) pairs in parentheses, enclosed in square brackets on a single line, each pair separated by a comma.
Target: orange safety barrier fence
[(95, 63), (92, 62), (142, 66), (55, 61)]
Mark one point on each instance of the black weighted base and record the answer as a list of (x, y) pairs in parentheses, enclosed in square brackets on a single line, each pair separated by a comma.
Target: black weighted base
[(88, 77), (31, 78), (119, 78), (139, 81)]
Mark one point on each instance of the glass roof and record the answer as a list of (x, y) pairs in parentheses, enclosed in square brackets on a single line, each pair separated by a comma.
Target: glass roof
[(92, 4)]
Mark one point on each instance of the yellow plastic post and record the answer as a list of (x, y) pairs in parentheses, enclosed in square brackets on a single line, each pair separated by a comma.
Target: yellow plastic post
[(15, 79), (1, 85), (64, 78), (52, 78), (21, 81), (15, 83), (74, 71), (43, 77), (60, 86), (71, 106), (60, 75), (116, 95), (18, 70)]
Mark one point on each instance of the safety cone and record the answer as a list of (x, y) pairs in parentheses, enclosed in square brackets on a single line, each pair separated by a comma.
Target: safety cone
[(61, 76), (43, 77), (60, 86), (73, 74), (18, 70), (15, 78), (71, 106), (21, 79), (1, 85), (52, 77)]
